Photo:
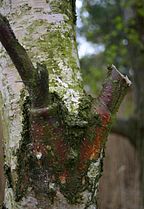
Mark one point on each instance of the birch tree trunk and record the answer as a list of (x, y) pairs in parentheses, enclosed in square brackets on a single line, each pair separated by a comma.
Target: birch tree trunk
[(54, 134)]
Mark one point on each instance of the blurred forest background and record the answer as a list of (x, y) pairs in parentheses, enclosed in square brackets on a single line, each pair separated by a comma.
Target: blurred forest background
[(112, 31)]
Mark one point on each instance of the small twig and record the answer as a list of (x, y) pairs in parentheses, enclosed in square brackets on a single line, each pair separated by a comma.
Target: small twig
[(36, 79), (16, 52)]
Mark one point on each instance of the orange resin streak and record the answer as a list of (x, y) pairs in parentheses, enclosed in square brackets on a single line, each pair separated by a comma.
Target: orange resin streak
[(91, 150), (63, 177)]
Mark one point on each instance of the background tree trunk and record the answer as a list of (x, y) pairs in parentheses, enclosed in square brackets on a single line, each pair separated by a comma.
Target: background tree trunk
[(54, 134), (136, 54), (2, 181)]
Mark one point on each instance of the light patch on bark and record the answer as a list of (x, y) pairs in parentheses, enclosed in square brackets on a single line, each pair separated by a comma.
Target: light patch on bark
[(12, 119), (9, 198), (62, 83), (38, 155), (94, 173), (29, 202)]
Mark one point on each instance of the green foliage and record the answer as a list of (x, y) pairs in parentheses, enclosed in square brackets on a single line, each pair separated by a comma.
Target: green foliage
[(116, 24), (93, 72)]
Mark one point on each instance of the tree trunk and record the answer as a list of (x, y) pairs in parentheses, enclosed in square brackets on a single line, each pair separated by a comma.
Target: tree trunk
[(2, 181), (54, 134), (136, 52), (139, 118), (133, 128)]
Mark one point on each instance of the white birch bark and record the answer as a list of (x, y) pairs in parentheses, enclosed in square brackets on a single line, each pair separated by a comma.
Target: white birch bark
[(47, 32), (48, 35)]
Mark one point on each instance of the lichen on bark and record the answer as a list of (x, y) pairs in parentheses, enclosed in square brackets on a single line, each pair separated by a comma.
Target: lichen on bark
[(57, 156)]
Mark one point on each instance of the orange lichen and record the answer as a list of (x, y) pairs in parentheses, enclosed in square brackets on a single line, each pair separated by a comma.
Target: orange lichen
[(91, 150), (63, 177)]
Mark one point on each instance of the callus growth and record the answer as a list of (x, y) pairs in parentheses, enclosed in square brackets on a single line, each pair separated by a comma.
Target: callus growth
[(71, 156)]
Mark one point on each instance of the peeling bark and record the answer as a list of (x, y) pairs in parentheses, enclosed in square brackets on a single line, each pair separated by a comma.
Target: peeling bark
[(54, 134)]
